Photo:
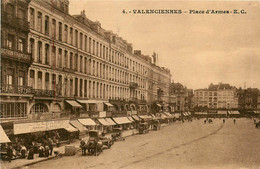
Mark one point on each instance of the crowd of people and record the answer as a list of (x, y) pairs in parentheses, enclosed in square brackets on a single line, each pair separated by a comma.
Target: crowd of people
[(27, 147)]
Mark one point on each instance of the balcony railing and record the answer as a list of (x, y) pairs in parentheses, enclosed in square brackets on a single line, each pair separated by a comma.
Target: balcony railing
[(133, 85), (134, 99), (24, 56), (43, 93), (15, 89), (15, 22)]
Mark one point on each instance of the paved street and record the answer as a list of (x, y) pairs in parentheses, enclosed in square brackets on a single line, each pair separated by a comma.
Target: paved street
[(189, 145)]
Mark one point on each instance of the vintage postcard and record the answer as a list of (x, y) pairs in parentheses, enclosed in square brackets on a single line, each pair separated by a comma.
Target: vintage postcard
[(112, 84)]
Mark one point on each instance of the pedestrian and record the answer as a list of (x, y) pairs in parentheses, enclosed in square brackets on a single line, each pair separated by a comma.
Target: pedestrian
[(205, 121), (41, 151), (234, 121), (224, 121), (9, 153), (47, 149), (30, 153), (23, 151), (50, 143)]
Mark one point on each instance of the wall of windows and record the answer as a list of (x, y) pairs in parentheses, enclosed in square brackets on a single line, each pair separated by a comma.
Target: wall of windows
[(13, 109)]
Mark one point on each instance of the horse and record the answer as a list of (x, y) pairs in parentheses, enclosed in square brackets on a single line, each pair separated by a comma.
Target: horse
[(94, 147)]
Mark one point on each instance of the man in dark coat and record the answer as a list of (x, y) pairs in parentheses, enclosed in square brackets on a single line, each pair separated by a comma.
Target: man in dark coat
[(9, 153), (30, 154)]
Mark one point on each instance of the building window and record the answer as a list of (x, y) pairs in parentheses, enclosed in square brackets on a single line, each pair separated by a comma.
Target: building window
[(71, 60), (10, 41), (59, 64), (21, 78), (31, 18), (47, 60), (81, 41), (86, 43), (21, 44), (71, 36), (39, 24), (60, 31), (53, 56), (46, 27), (89, 43), (66, 33), (39, 80), (76, 62), (54, 28), (47, 81), (11, 110), (94, 47), (81, 62), (76, 38), (10, 9), (66, 59), (31, 83), (39, 52), (9, 76), (31, 49)]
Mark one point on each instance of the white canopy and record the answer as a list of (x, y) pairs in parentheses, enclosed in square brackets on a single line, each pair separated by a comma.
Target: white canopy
[(87, 122), (3, 137), (71, 128), (73, 103), (121, 120), (104, 122)]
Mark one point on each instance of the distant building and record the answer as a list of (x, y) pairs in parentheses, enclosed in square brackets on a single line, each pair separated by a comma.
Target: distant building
[(220, 96), (181, 97), (248, 99)]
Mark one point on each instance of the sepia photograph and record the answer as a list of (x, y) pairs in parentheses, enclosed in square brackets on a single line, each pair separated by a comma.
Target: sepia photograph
[(130, 84)]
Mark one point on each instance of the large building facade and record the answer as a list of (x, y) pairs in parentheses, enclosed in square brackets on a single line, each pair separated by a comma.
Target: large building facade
[(75, 59), (15, 60)]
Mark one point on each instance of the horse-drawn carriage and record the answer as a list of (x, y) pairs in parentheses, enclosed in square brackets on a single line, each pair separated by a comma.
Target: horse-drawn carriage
[(95, 144), (143, 128), (156, 125), (117, 135)]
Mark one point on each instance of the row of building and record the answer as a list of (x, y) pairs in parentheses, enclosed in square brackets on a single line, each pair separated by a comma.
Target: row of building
[(57, 65), (225, 96)]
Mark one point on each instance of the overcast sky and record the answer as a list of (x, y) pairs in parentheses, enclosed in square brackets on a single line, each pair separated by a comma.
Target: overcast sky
[(198, 49)]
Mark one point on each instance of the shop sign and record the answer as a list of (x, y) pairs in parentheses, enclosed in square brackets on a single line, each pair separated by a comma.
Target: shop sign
[(21, 128)]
